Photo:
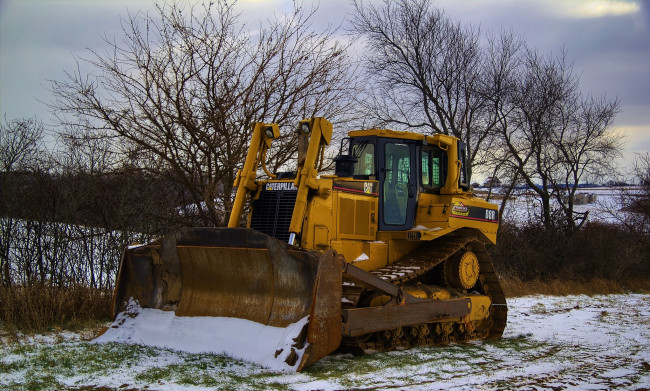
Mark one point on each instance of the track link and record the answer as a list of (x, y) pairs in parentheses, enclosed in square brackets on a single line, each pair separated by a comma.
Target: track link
[(490, 284), (421, 260), (409, 269)]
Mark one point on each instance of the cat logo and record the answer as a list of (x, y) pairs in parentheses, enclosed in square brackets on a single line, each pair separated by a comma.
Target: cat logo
[(367, 187), (279, 186)]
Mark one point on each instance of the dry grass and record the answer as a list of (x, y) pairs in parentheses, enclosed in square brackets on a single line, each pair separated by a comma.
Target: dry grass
[(41, 308), (514, 287), (598, 259), (595, 258)]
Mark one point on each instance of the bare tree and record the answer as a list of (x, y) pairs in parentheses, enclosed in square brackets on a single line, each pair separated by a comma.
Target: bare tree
[(178, 95), (425, 71), (20, 152), (555, 137), (585, 148), (501, 60), (20, 143), (636, 212)]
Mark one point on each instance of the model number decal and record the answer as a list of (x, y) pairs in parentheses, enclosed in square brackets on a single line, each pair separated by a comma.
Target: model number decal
[(490, 214), (461, 211)]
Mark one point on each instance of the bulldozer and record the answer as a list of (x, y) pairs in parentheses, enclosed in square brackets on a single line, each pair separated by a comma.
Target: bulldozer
[(387, 253)]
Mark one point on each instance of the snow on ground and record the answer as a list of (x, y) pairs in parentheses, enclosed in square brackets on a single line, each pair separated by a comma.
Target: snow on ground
[(239, 338), (550, 343), (606, 206)]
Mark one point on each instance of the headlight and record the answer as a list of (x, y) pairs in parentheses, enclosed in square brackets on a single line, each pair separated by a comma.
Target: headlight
[(268, 131), (304, 127)]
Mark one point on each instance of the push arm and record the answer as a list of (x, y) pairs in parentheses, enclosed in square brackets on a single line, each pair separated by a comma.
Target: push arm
[(320, 131), (263, 136)]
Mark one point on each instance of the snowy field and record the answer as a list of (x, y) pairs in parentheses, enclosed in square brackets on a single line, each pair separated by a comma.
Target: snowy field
[(605, 204), (550, 343)]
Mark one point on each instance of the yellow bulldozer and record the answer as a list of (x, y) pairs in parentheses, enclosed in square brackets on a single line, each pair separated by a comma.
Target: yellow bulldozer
[(387, 253)]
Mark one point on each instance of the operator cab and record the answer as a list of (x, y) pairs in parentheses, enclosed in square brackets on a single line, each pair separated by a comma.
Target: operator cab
[(405, 165)]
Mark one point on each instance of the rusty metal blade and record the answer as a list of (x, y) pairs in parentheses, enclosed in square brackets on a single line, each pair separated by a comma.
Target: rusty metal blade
[(230, 282), (232, 272), (241, 273), (324, 332)]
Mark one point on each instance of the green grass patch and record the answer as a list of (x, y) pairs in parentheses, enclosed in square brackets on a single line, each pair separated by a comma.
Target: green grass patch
[(35, 381), (520, 343), (69, 359), (212, 372), (43, 366), (17, 365), (434, 362), (153, 375)]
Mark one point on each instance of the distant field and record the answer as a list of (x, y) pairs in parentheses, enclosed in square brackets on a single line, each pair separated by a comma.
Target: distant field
[(574, 342), (604, 203)]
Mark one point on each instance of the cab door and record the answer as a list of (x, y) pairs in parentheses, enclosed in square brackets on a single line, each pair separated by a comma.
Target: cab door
[(397, 184)]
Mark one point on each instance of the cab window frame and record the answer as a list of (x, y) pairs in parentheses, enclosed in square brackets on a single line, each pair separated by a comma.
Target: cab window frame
[(430, 153), (368, 147)]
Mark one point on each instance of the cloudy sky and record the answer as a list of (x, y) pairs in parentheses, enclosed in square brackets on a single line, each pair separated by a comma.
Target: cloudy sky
[(608, 40)]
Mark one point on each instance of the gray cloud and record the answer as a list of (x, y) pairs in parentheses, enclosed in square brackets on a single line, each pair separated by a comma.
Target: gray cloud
[(610, 52), (38, 40)]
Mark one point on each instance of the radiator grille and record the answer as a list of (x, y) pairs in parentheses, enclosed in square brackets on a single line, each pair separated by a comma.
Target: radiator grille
[(272, 213)]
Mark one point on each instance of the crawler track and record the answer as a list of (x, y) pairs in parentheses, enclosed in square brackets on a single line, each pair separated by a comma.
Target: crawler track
[(425, 264)]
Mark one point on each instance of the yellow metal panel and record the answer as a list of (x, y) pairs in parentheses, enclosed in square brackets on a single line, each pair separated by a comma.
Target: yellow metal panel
[(378, 251), (362, 218), (431, 211), (338, 246), (387, 133), (378, 256), (398, 245), (474, 213), (321, 236), (357, 218), (352, 249), (480, 307), (319, 213), (346, 216)]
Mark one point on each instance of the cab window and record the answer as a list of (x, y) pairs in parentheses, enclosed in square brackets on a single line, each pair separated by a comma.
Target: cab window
[(433, 168), (365, 165), (395, 192)]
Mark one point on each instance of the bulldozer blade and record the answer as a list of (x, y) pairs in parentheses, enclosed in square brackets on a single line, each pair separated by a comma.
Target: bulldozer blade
[(238, 273), (324, 331)]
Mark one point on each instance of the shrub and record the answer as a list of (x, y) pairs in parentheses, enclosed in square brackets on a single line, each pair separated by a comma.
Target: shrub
[(39, 308), (596, 252)]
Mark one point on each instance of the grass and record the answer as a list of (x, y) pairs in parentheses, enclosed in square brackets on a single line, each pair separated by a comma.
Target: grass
[(41, 308), (515, 287), (82, 365), (36, 381), (43, 362)]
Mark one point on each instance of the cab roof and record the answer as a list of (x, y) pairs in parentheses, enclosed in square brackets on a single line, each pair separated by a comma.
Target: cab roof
[(430, 139)]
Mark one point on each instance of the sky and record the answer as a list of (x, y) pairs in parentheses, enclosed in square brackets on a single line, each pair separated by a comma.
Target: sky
[(608, 41)]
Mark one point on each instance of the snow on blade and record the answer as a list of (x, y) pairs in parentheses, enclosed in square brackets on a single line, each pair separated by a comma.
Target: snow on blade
[(234, 337), (362, 257), (423, 228)]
